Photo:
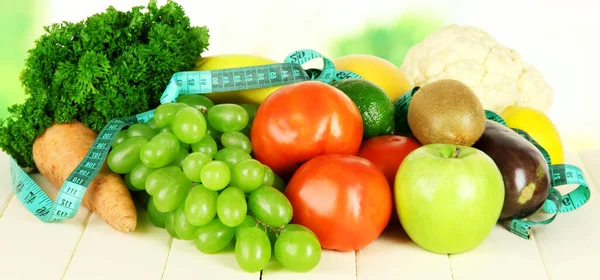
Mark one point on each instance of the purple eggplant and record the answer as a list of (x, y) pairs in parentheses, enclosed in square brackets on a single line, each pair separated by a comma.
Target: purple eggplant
[(523, 167)]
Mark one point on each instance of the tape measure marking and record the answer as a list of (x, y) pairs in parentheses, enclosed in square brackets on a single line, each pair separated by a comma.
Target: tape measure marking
[(71, 193), (560, 175)]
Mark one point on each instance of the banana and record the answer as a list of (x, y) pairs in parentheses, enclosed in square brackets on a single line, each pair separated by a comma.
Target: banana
[(252, 96)]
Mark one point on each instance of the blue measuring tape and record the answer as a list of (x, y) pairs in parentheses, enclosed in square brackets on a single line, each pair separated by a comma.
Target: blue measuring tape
[(73, 189)]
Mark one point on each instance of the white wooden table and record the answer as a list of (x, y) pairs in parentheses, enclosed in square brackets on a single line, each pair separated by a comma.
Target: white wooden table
[(86, 248)]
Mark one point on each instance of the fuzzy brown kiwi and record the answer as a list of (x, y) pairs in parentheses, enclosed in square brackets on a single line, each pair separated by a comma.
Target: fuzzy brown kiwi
[(446, 111)]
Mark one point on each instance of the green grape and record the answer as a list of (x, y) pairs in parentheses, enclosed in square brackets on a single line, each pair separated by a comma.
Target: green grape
[(121, 136), (228, 117), (185, 146), (215, 175), (125, 156), (181, 155), (165, 113), (142, 198), (161, 150), (279, 184), (231, 206), (138, 129), (201, 205), (248, 175), (213, 237), (139, 174), (297, 227), (127, 181), (251, 109), (212, 132), (184, 229), (200, 102), (168, 187), (193, 164), (298, 251), (248, 221), (166, 128), (236, 139), (270, 206), (152, 124), (269, 178), (206, 145), (170, 224), (270, 233), (231, 156), (156, 217), (247, 131), (252, 249), (189, 125)]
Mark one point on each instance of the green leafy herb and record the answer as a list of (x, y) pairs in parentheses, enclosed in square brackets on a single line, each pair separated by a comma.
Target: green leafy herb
[(112, 64)]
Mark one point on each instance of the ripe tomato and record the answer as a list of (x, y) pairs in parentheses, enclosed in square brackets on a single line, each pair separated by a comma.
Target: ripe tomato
[(301, 121), (344, 199), (387, 153)]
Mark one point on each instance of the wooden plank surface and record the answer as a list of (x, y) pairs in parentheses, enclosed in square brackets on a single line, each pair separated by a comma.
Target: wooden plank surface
[(186, 262), (394, 256), (31, 249), (565, 249), (569, 246), (503, 255), (333, 266), (123, 256)]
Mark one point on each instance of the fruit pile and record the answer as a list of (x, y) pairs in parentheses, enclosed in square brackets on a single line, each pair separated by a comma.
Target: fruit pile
[(194, 162), (291, 170)]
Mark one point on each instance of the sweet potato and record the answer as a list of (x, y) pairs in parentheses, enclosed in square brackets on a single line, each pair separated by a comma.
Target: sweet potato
[(60, 149)]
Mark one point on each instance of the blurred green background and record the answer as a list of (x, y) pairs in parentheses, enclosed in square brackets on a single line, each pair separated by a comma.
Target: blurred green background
[(20, 20), (390, 41)]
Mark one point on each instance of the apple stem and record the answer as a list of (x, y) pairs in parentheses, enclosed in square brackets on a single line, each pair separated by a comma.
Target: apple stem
[(456, 151)]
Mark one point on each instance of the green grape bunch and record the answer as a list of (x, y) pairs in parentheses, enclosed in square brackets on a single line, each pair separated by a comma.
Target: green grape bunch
[(193, 160)]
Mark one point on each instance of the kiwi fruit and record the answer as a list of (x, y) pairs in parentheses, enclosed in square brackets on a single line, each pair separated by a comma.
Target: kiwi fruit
[(446, 112)]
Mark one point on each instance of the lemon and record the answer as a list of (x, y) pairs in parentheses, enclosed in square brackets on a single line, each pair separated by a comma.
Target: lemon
[(377, 70), (224, 61), (538, 126)]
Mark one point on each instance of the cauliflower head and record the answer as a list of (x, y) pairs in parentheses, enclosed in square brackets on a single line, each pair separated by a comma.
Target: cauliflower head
[(495, 72)]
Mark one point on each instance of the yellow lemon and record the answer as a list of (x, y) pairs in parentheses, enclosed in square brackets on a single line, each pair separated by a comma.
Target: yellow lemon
[(224, 61), (538, 126), (377, 70)]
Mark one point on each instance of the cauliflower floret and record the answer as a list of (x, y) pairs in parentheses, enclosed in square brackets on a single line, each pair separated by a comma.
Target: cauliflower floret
[(496, 73)]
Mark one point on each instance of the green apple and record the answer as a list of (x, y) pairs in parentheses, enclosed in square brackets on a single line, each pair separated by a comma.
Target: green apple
[(448, 198)]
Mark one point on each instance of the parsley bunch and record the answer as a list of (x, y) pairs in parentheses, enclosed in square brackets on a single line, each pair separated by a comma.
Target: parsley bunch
[(112, 64)]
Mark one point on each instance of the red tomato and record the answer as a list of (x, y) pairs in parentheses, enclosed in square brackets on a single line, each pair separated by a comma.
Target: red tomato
[(387, 153), (301, 121), (344, 199)]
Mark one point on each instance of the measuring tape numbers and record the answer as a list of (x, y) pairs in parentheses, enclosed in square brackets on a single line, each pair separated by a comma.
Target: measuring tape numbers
[(71, 193)]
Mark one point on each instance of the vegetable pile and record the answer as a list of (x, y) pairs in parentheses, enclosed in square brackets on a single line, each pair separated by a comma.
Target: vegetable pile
[(284, 172), (199, 182), (81, 75)]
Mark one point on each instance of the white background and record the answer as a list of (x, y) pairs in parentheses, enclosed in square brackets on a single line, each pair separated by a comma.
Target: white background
[(560, 38)]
